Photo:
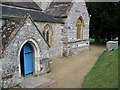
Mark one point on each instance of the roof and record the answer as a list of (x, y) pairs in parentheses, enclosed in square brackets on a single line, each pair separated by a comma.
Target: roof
[(10, 11), (12, 26), (8, 27), (28, 5), (59, 9)]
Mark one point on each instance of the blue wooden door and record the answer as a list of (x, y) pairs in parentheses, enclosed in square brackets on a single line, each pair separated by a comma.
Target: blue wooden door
[(28, 59)]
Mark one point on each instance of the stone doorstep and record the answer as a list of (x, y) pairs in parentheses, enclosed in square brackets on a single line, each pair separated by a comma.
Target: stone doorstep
[(46, 84), (34, 82)]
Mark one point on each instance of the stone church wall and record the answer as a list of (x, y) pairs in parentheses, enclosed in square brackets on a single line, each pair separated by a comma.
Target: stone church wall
[(1, 23), (64, 42), (57, 45), (73, 44), (11, 63)]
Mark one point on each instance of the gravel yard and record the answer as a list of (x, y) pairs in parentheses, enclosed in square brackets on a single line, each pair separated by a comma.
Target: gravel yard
[(69, 72)]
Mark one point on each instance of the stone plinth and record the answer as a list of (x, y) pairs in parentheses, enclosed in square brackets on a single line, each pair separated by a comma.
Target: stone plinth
[(112, 45)]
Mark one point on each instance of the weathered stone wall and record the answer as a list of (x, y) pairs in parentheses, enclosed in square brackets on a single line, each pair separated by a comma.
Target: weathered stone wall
[(0, 73), (57, 45), (1, 23), (64, 41), (43, 4), (11, 64), (75, 45)]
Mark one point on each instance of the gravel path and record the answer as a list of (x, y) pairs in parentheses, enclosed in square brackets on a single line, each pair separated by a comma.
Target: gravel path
[(69, 72)]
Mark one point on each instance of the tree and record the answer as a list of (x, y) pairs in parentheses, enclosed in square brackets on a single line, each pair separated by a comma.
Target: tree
[(105, 20)]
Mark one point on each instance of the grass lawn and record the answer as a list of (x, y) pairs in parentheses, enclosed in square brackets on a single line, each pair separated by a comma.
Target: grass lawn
[(104, 74)]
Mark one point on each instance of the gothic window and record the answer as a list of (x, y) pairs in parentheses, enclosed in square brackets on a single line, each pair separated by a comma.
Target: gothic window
[(47, 33), (79, 26)]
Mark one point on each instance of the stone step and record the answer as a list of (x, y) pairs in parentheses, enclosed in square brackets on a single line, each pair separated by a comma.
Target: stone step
[(34, 82)]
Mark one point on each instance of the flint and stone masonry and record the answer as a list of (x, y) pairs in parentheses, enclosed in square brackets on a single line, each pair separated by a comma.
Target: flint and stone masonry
[(72, 45), (60, 41), (11, 64)]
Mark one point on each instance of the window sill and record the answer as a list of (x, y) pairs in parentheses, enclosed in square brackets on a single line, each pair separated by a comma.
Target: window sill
[(78, 40)]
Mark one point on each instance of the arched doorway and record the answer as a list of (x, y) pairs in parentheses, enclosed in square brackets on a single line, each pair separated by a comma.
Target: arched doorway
[(27, 60)]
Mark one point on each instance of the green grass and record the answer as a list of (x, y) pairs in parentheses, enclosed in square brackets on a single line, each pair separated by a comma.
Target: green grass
[(93, 42), (119, 65), (104, 74)]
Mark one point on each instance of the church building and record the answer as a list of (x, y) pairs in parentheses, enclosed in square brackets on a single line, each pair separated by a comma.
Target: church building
[(32, 33)]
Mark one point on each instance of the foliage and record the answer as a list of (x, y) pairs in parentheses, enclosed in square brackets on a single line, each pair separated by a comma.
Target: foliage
[(104, 20), (104, 74)]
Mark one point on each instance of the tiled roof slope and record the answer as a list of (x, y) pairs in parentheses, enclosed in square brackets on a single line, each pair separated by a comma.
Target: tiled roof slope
[(59, 9), (7, 29), (8, 12), (12, 26), (28, 5)]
